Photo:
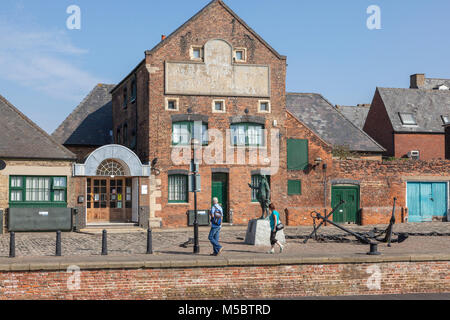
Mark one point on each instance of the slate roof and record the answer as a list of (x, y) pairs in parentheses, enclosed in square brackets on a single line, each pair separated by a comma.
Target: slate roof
[(21, 138), (356, 114), (329, 123), (427, 106), (91, 122), (433, 84)]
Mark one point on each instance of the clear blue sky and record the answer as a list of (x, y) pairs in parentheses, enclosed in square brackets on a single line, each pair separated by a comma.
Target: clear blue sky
[(46, 69)]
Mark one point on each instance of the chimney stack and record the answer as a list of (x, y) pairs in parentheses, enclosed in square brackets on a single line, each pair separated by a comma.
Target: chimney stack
[(417, 81), (163, 37)]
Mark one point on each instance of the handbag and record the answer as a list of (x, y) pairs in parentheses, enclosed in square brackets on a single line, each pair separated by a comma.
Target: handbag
[(280, 226)]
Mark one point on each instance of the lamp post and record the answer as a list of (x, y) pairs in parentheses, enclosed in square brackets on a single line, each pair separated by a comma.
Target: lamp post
[(194, 170)]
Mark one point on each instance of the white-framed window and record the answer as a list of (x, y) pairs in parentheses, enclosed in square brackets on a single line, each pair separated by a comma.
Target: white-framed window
[(264, 106), (218, 106), (247, 135), (178, 189), (196, 53), (240, 55), (172, 104), (446, 119)]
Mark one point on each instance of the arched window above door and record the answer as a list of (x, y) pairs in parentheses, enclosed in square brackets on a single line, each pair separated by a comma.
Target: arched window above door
[(110, 168)]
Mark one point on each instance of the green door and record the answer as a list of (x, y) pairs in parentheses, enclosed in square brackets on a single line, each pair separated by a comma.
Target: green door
[(347, 213), (220, 191)]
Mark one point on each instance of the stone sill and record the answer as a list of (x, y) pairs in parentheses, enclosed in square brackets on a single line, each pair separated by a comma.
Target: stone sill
[(111, 263)]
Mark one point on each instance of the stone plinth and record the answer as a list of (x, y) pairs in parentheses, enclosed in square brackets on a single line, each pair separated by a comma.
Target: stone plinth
[(258, 233)]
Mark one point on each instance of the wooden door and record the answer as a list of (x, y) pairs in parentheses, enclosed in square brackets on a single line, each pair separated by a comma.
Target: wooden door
[(109, 200), (220, 191)]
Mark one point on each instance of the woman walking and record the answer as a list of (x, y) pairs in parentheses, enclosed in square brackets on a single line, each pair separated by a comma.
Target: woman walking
[(274, 222)]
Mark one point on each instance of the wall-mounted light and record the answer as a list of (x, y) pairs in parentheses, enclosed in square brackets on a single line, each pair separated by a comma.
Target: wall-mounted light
[(317, 162)]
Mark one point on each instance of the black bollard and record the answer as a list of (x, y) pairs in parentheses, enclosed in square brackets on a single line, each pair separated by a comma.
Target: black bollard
[(149, 241), (373, 250), (12, 245), (105, 243), (58, 244)]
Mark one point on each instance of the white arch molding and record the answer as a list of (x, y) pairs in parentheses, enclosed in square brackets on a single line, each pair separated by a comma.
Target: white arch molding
[(131, 163)]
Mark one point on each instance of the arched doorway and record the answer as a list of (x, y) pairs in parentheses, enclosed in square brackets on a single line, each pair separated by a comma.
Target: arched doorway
[(113, 175)]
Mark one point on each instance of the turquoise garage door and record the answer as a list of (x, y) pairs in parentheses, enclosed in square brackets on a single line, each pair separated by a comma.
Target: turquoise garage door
[(427, 200)]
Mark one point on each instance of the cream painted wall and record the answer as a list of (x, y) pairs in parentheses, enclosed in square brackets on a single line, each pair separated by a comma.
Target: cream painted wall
[(32, 168)]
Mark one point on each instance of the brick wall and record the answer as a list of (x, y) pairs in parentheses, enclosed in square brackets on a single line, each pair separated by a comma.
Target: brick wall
[(431, 146), (256, 282), (312, 179), (380, 182)]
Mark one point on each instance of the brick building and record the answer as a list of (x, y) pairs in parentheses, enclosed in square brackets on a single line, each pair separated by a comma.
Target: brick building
[(35, 175), (409, 122), (217, 76)]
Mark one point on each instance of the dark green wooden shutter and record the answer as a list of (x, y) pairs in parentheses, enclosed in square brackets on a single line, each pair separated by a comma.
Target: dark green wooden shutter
[(294, 187), (297, 151)]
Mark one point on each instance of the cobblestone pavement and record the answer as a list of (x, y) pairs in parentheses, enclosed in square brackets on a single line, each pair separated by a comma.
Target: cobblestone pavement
[(168, 242)]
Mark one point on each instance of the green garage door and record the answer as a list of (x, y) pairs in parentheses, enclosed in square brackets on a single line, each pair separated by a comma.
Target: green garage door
[(347, 213)]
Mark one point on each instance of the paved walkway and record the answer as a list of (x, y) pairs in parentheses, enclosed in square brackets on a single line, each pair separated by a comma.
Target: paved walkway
[(167, 243)]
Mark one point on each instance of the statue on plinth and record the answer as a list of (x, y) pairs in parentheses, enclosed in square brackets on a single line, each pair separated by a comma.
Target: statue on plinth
[(263, 196)]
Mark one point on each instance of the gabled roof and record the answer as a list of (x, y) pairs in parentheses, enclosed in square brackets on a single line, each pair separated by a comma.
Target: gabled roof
[(91, 122), (328, 123), (427, 106), (192, 19), (356, 114), (21, 138)]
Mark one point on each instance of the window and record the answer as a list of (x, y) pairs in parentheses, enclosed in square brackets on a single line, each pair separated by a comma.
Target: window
[(408, 119), (297, 154), (445, 119), (178, 189), (264, 106), (133, 91), (196, 53), (125, 98), (240, 55), (247, 134), (183, 131), (118, 136), (109, 168), (172, 104), (38, 190), (256, 180), (125, 134), (219, 106), (294, 187)]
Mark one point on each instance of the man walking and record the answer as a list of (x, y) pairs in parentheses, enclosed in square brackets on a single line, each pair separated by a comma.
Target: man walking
[(216, 216)]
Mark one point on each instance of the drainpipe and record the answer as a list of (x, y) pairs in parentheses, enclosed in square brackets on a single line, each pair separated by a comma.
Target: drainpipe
[(325, 166)]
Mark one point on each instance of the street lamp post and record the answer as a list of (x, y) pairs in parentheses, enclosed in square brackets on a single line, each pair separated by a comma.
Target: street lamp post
[(194, 169)]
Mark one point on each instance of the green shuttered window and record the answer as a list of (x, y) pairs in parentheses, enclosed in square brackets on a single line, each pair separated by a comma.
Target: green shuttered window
[(297, 153), (38, 191), (178, 189), (294, 187)]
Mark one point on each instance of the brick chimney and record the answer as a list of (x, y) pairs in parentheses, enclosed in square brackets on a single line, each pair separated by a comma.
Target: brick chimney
[(163, 37), (417, 81)]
